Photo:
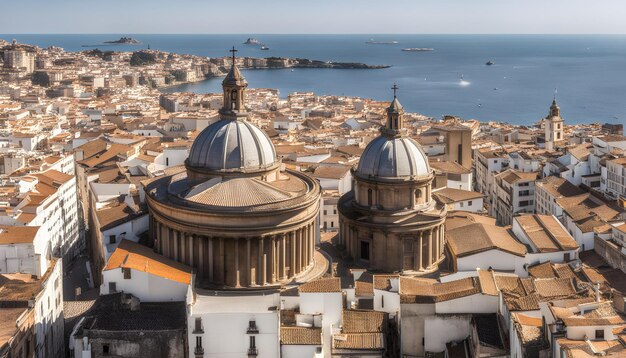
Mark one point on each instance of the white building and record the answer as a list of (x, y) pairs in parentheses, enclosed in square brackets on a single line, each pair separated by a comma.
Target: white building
[(24, 249), (231, 325), (137, 269), (513, 192), (616, 177), (458, 199)]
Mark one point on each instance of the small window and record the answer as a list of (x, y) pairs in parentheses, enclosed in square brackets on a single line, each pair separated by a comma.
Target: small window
[(112, 239), (369, 197), (332, 224), (112, 287), (469, 203), (599, 334), (462, 204), (167, 161), (252, 342), (198, 324), (126, 273), (198, 342), (325, 213), (105, 349)]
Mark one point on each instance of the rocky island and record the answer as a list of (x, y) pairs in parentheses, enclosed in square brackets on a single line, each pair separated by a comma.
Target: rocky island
[(124, 41)]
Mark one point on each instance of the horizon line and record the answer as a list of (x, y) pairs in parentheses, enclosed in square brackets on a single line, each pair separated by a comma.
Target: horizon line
[(299, 34)]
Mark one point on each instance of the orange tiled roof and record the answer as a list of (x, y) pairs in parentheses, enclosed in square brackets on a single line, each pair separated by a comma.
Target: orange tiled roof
[(138, 257)]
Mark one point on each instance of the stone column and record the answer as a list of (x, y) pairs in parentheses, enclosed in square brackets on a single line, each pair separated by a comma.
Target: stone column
[(164, 241), (175, 235), (443, 239), (250, 276), (421, 248), (261, 269), (183, 247), (299, 249), (157, 238), (210, 256), (292, 257), (190, 246), (273, 256), (430, 247), (236, 272), (201, 258), (283, 257), (305, 238), (222, 262)]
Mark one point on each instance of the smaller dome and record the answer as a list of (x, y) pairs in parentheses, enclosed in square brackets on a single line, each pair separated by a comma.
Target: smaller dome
[(232, 144), (389, 157)]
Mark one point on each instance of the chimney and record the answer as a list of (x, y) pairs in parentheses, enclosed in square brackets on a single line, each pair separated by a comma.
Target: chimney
[(597, 291)]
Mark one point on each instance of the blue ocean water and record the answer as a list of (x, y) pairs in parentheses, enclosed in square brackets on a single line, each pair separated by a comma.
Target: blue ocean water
[(589, 71)]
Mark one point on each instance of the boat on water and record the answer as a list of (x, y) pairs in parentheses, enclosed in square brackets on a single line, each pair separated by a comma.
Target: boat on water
[(372, 42), (252, 41), (265, 48), (490, 63), (418, 49), (463, 82)]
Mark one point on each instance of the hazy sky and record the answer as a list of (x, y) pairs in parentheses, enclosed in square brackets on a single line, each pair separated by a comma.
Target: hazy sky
[(313, 16)]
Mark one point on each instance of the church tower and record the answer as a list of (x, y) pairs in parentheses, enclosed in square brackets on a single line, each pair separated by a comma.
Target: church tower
[(553, 124), (234, 86)]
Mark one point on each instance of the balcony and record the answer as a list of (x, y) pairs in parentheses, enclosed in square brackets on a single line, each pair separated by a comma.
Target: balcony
[(198, 351), (253, 352)]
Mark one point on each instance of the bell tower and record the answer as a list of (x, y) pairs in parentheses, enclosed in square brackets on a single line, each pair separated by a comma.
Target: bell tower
[(395, 124), (234, 86), (553, 126)]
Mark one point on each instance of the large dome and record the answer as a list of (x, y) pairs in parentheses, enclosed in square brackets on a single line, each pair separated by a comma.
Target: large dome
[(231, 145), (390, 157)]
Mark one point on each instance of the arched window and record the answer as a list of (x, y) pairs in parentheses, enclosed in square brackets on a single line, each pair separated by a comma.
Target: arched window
[(369, 197), (418, 195), (233, 95)]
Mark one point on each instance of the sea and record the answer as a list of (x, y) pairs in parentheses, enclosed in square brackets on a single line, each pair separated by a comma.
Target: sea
[(586, 73)]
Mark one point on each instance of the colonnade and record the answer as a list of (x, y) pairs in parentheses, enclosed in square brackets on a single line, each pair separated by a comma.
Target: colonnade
[(245, 261), (420, 249)]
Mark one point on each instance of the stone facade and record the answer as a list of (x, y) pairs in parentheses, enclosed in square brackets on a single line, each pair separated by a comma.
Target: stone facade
[(389, 221), (240, 220)]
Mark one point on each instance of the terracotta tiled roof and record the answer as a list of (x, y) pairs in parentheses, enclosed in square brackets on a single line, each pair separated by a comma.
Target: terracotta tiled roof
[(559, 187), (545, 233), (359, 341), (300, 336), (451, 195), (383, 282), (487, 282), (414, 290), (543, 270), (363, 287), (322, 285), (17, 234), (554, 287), (363, 321), (115, 215), (138, 257), (53, 177), (448, 167), (474, 238)]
